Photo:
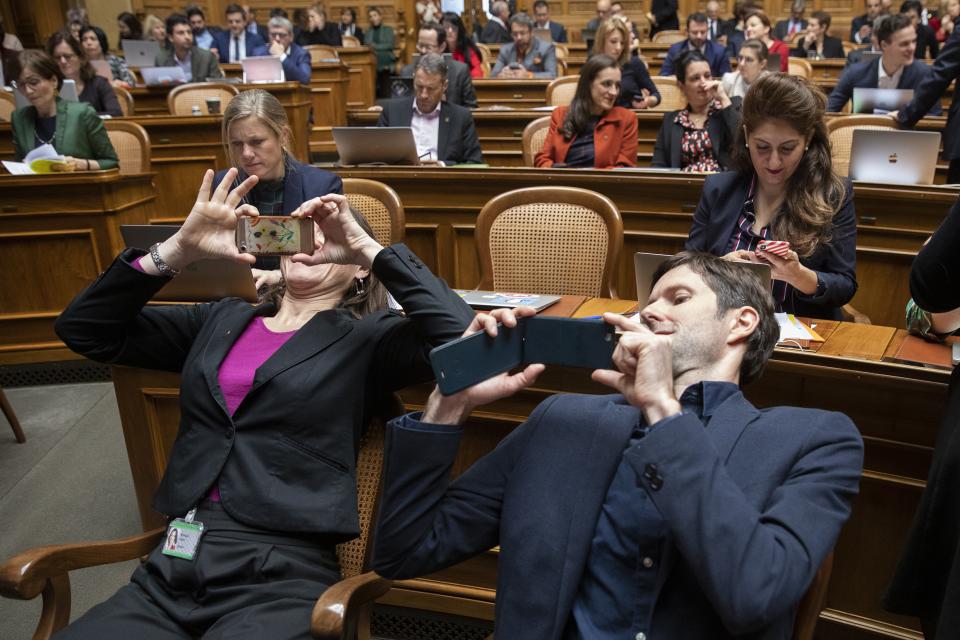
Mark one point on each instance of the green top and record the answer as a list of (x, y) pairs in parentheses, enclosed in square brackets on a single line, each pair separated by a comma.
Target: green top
[(381, 39), (80, 133)]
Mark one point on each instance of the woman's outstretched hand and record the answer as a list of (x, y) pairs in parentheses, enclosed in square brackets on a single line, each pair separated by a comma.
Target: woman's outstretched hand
[(341, 240)]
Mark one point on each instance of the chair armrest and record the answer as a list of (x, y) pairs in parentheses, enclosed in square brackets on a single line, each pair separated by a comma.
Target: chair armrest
[(335, 614), (24, 576)]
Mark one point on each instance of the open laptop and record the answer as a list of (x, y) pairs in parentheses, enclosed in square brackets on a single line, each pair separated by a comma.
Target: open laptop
[(201, 281), (140, 53), (646, 264), (260, 69), (880, 100), (162, 76), (497, 300), (375, 145), (894, 157)]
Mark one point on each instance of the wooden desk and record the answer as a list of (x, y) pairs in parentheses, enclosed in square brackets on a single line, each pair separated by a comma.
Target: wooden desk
[(442, 205), (362, 67), (519, 94), (58, 233), (896, 408)]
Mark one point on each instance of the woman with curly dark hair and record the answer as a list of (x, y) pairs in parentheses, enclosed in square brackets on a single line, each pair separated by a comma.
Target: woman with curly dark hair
[(461, 45), (783, 188)]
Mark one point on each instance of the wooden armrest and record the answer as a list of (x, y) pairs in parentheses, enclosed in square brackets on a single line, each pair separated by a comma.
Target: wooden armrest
[(335, 614), (24, 576)]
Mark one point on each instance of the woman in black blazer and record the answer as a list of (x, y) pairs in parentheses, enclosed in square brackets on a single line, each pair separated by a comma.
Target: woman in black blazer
[(274, 399), (637, 90), (698, 138), (784, 188)]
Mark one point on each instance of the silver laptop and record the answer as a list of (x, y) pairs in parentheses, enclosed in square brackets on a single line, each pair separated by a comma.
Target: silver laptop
[(375, 145), (140, 53), (880, 100), (646, 264), (497, 300), (68, 92), (201, 281), (894, 157), (259, 69), (543, 34), (163, 76)]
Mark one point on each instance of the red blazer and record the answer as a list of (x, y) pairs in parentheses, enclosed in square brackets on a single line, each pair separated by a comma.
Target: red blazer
[(781, 47), (614, 140)]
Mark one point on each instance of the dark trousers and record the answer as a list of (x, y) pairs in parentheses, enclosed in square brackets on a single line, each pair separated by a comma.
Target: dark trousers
[(953, 172), (244, 583)]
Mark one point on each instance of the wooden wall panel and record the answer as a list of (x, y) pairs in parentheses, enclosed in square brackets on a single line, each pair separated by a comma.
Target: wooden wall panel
[(65, 258)]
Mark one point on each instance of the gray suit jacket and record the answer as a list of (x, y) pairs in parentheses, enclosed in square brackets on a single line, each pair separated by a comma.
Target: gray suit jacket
[(460, 90), (203, 64), (541, 59)]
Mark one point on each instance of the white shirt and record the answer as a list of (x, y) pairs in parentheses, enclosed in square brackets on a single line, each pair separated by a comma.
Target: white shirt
[(238, 47), (426, 132), (888, 82)]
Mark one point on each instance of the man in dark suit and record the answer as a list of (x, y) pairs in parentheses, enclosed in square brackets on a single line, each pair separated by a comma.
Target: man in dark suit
[(197, 64), (715, 53), (815, 43), (787, 30), (496, 30), (432, 38), (604, 12), (927, 45), (945, 70), (250, 15), (236, 43), (674, 510), (293, 57), (541, 14), (862, 26), (896, 68), (663, 16), (444, 133)]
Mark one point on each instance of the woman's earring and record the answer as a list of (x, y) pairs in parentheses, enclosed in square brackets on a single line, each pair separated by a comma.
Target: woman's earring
[(359, 288)]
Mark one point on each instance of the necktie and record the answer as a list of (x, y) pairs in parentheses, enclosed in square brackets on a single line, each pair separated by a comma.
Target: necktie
[(236, 50)]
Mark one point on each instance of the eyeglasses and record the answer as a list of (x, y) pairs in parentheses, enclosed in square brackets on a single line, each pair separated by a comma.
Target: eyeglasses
[(64, 56), (426, 46), (278, 35)]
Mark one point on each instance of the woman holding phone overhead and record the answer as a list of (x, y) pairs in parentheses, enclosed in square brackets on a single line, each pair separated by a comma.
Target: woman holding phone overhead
[(593, 131), (274, 399), (699, 137), (783, 188), (637, 90)]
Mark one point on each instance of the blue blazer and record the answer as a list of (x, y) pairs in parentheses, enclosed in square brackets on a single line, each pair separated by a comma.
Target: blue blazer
[(715, 53), (835, 262), (296, 66), (945, 69), (254, 45), (752, 506), (558, 32), (301, 183), (864, 74)]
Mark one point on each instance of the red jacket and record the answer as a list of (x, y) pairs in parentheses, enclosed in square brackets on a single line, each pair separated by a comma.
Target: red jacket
[(783, 49), (614, 140)]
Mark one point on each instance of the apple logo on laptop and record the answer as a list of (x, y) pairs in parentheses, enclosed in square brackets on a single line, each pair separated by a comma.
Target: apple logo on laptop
[(892, 158)]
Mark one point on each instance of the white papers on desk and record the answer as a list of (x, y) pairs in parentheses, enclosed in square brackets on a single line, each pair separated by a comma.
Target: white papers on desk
[(791, 328), (37, 161)]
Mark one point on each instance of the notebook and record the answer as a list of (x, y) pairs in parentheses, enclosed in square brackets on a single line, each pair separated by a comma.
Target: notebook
[(496, 300)]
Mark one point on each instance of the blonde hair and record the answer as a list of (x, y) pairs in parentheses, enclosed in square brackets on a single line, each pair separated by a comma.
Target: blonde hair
[(603, 32), (257, 103), (149, 23)]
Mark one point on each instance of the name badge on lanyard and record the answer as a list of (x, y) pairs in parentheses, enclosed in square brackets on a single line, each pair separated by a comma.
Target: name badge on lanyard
[(183, 537)]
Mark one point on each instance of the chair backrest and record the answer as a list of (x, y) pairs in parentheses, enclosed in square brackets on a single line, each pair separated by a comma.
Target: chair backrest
[(322, 52), (354, 555), (561, 50), (671, 97), (534, 135), (182, 99), (351, 41), (560, 92), (132, 144), (485, 54), (841, 136), (380, 205), (669, 36), (799, 67), (125, 99), (554, 240), (8, 105), (808, 611)]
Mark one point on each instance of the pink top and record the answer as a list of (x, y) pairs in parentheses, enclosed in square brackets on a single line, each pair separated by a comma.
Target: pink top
[(254, 347)]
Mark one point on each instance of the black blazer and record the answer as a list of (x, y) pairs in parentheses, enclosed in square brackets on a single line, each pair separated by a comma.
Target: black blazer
[(832, 48), (665, 11), (286, 458), (457, 142), (835, 262), (460, 85), (927, 45), (558, 32), (945, 70), (330, 35), (856, 24), (722, 127), (494, 33), (634, 77), (865, 74)]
